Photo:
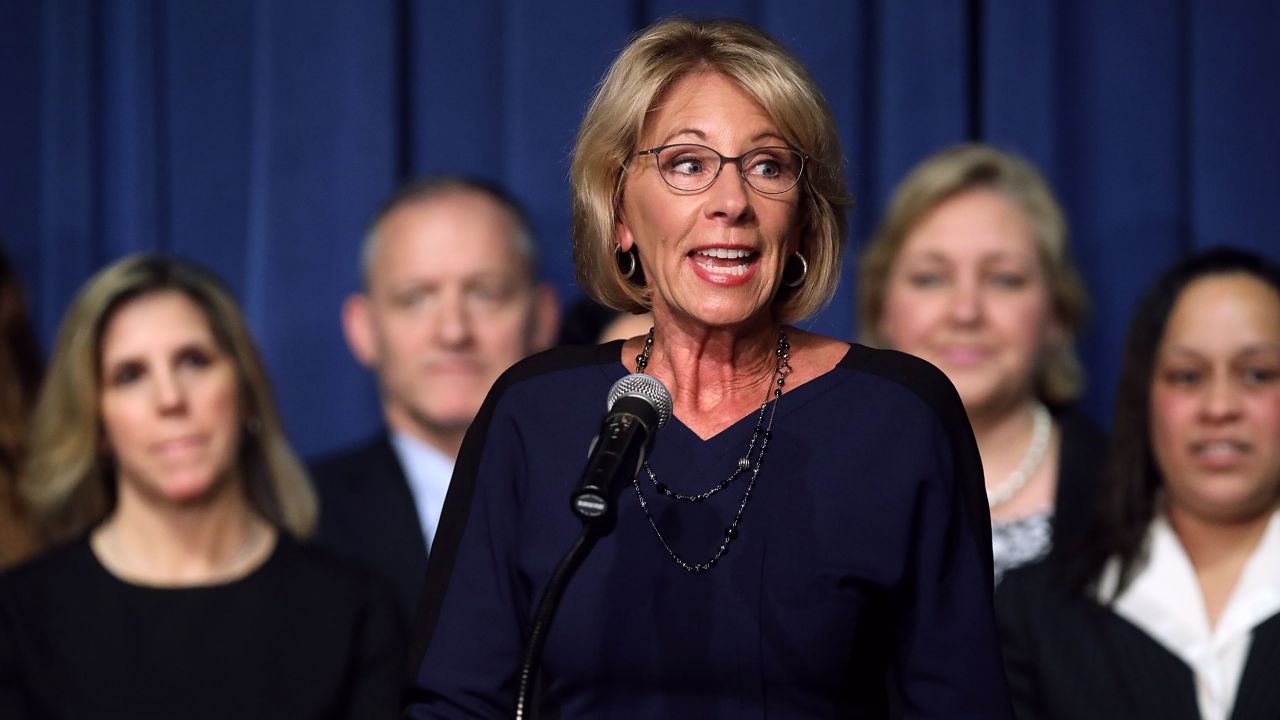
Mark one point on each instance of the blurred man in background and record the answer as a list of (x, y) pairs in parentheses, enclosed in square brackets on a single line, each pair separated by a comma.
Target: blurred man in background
[(450, 300)]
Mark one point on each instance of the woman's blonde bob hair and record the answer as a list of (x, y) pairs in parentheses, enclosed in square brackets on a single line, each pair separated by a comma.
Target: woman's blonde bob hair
[(70, 483), (953, 172), (607, 142)]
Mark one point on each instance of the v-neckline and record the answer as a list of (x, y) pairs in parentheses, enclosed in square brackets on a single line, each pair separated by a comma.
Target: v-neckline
[(718, 438)]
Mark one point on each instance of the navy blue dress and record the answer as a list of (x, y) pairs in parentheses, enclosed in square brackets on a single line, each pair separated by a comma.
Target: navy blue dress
[(860, 584)]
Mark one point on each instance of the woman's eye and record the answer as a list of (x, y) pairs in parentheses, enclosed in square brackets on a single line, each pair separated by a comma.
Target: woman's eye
[(1260, 375), (925, 279), (1182, 377), (1009, 281), (195, 357), (766, 167), (126, 374), (687, 166)]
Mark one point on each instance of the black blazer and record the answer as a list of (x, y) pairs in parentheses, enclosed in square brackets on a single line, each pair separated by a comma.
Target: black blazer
[(368, 515), (1080, 460), (1069, 658)]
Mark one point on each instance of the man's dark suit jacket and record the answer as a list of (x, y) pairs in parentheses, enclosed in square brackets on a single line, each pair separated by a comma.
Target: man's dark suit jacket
[(367, 514), (1068, 658)]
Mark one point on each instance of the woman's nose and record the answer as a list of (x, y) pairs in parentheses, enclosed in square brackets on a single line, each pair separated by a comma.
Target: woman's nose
[(729, 196), (169, 393), (1221, 400), (965, 303)]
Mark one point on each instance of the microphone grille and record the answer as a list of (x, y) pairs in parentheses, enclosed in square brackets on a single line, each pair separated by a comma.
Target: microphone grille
[(645, 387)]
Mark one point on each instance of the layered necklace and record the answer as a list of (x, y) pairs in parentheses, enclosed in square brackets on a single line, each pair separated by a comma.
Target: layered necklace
[(759, 436), (1041, 427)]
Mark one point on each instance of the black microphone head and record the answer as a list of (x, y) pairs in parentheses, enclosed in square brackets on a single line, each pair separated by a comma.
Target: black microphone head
[(647, 388)]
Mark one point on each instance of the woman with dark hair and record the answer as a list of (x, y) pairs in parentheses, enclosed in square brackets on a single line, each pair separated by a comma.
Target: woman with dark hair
[(176, 585), (20, 370), (1171, 606), (808, 538)]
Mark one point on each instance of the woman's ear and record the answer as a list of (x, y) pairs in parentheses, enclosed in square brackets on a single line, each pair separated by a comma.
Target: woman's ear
[(1055, 332), (796, 240), (622, 237)]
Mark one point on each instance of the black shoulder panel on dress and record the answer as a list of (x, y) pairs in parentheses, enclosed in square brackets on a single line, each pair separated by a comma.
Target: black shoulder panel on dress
[(457, 502), (932, 386)]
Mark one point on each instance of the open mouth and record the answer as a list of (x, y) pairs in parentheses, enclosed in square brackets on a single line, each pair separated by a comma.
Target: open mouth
[(1219, 453), (725, 262)]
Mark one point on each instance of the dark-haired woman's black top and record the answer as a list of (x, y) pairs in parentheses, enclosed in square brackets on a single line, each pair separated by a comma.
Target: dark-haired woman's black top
[(864, 554), (303, 637), (1069, 657), (1081, 457)]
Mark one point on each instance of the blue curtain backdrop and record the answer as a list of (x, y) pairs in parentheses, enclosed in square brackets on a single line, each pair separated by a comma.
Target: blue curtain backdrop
[(257, 137)]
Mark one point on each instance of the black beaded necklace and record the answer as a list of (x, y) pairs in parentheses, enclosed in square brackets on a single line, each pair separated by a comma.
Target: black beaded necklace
[(760, 434)]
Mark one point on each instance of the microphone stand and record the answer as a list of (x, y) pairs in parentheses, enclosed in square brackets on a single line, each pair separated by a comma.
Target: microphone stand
[(526, 705), (614, 459)]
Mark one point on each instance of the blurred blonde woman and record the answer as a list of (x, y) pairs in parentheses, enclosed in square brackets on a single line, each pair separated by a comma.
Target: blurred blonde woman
[(971, 270), (160, 478)]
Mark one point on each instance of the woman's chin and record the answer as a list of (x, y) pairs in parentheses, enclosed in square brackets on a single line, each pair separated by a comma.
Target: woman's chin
[(730, 318), (724, 308), (1229, 501), (188, 489), (192, 492)]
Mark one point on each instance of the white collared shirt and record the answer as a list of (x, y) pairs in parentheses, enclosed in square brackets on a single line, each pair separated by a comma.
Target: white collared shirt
[(1164, 599), (428, 471)]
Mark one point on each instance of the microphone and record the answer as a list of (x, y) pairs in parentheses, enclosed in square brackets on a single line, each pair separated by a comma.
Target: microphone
[(638, 406)]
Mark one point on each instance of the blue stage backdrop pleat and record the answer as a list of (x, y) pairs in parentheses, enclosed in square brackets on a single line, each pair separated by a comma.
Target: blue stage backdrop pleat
[(1122, 135), (455, 78), (131, 135), (1234, 117), (922, 99), (70, 159), (21, 80), (209, 90)]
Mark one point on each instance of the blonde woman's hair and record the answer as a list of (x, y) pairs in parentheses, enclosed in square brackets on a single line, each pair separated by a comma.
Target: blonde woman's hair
[(607, 141), (953, 172), (70, 484)]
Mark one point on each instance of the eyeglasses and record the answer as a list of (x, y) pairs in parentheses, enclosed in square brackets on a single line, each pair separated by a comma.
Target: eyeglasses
[(689, 168)]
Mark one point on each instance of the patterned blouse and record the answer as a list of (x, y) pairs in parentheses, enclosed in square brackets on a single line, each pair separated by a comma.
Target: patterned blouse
[(1018, 542)]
